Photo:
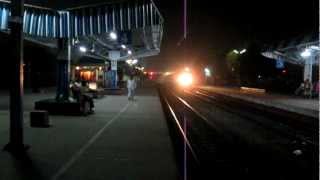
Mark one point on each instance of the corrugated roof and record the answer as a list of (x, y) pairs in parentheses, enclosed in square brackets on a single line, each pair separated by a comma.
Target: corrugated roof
[(65, 4)]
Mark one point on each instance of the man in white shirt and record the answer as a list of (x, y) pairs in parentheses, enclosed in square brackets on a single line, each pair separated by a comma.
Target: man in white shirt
[(131, 85)]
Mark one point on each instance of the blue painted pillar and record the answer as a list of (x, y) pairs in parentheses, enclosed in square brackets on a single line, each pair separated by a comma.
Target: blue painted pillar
[(114, 80), (63, 63), (114, 74)]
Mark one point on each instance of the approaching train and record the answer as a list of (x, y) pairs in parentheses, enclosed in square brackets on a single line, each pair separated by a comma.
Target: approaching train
[(183, 79)]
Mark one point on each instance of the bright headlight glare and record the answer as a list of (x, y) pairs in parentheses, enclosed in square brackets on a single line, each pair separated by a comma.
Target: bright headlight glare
[(185, 79)]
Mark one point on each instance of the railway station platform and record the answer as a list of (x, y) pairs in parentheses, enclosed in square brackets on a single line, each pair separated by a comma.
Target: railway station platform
[(123, 140), (304, 106)]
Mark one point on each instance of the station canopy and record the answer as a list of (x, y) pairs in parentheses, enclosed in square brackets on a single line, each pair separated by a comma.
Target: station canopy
[(137, 24), (290, 51)]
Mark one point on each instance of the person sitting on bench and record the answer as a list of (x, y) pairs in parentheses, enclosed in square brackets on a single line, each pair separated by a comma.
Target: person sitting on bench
[(80, 94), (75, 89)]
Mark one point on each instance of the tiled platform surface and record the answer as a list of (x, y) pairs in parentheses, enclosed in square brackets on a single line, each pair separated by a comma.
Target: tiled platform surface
[(122, 141)]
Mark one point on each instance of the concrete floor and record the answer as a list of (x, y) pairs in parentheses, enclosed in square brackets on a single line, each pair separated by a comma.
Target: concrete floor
[(122, 140)]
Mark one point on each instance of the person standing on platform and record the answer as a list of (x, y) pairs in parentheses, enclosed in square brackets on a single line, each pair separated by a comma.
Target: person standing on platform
[(131, 85)]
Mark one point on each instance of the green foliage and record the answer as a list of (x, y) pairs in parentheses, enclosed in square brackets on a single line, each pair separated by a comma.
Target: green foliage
[(233, 61)]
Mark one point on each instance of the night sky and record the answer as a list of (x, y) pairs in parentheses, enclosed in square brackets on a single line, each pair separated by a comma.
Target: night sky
[(217, 27)]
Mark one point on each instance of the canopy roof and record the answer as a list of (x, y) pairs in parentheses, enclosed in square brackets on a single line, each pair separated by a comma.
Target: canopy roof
[(89, 61), (290, 51), (138, 24)]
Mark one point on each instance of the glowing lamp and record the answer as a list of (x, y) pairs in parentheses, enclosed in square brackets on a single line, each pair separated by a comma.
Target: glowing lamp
[(113, 36), (236, 51), (83, 49), (207, 72), (306, 53), (243, 51)]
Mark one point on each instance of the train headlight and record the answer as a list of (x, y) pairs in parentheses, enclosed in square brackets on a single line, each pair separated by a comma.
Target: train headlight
[(185, 79)]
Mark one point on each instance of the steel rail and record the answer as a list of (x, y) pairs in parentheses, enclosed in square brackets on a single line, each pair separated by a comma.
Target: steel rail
[(210, 99), (173, 114)]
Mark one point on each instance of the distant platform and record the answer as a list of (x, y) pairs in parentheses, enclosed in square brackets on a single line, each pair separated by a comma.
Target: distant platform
[(304, 106)]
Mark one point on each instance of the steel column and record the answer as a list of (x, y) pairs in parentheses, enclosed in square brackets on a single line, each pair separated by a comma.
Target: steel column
[(15, 144), (63, 70), (308, 68)]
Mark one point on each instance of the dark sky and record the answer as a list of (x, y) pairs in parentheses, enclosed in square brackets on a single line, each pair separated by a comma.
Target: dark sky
[(215, 27)]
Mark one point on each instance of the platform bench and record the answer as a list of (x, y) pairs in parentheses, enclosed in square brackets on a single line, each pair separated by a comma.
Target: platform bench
[(62, 107)]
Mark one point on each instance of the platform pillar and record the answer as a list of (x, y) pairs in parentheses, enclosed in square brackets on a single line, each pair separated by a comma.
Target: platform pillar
[(63, 70), (15, 144), (308, 68), (113, 73)]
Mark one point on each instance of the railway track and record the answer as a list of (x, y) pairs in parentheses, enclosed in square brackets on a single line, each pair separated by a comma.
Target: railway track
[(257, 149), (298, 127)]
